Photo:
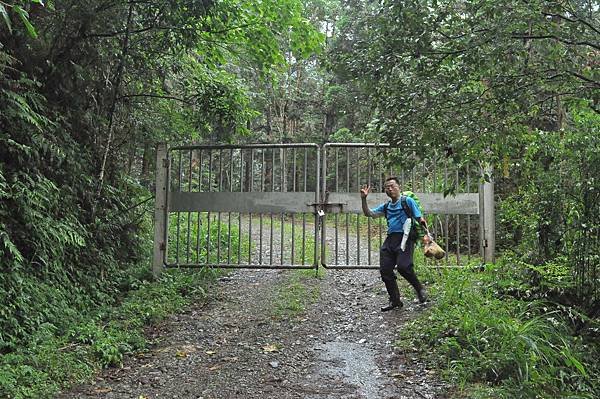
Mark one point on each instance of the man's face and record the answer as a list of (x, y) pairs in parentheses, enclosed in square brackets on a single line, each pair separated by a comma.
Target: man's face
[(392, 189)]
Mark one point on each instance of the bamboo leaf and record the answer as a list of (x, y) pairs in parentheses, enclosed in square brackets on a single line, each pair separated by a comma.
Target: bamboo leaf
[(6, 17), (25, 19)]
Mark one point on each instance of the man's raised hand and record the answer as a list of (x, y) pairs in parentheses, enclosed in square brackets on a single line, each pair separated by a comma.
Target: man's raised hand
[(364, 191)]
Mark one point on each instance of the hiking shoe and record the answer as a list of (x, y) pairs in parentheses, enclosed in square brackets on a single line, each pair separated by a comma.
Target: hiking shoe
[(422, 296), (391, 306)]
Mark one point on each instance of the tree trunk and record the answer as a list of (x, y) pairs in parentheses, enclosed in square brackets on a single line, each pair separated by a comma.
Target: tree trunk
[(145, 173), (117, 84), (131, 159)]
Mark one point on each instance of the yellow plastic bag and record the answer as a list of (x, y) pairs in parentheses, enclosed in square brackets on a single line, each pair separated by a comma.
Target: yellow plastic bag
[(432, 249)]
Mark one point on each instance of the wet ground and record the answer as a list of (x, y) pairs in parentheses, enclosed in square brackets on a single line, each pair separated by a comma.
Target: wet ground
[(237, 344)]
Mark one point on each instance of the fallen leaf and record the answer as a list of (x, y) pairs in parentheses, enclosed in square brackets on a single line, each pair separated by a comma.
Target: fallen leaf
[(270, 348), (102, 390), (210, 352), (181, 353), (189, 348), (213, 368)]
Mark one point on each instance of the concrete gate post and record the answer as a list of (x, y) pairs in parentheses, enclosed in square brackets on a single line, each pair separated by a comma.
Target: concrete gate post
[(487, 217), (160, 210)]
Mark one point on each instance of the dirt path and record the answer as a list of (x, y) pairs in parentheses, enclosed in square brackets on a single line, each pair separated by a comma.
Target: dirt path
[(238, 344)]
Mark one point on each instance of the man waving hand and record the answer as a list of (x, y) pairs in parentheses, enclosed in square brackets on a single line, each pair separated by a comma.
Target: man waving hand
[(396, 211)]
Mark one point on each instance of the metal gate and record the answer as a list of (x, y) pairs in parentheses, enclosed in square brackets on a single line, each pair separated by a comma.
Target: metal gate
[(351, 240), (297, 206)]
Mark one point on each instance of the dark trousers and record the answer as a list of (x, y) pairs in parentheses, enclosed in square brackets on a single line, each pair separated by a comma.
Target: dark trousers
[(390, 256)]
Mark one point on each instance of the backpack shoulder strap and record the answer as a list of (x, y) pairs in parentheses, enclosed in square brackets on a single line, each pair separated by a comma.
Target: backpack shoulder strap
[(405, 207), (385, 208)]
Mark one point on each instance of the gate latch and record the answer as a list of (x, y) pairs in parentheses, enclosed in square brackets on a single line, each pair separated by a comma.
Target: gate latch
[(326, 206), (330, 205)]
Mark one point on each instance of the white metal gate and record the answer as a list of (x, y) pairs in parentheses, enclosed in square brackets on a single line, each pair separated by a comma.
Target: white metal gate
[(298, 206)]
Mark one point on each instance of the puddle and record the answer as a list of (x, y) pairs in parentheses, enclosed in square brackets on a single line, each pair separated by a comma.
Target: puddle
[(353, 364)]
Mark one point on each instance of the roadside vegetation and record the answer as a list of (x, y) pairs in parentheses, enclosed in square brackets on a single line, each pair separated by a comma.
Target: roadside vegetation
[(493, 335), (58, 356), (75, 346), (299, 288), (296, 293)]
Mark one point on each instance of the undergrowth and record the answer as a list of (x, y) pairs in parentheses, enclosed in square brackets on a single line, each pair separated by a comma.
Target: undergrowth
[(55, 359), (493, 345)]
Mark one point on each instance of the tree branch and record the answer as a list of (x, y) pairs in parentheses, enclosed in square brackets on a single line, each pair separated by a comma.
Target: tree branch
[(585, 78), (150, 95), (170, 28), (565, 41), (572, 20), (116, 85)]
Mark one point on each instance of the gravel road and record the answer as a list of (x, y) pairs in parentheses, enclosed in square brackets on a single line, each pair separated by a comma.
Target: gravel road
[(237, 343)]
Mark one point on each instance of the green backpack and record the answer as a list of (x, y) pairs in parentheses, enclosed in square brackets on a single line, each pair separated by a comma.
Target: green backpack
[(415, 228), (414, 197)]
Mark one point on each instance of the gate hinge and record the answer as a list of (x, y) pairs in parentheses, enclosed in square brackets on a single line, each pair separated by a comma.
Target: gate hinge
[(485, 243), (165, 162), (162, 246)]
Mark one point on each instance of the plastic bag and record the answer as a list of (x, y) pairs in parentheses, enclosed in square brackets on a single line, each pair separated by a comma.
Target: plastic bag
[(432, 249), (406, 229)]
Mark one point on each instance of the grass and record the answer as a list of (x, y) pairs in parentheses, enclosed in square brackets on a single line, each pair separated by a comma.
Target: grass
[(188, 243), (299, 289), (490, 345), (301, 257), (191, 241), (296, 294), (54, 360)]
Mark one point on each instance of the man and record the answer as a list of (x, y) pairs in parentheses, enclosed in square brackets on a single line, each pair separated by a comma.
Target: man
[(391, 254)]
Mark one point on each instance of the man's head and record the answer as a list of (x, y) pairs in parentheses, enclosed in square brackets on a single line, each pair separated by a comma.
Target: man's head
[(392, 187)]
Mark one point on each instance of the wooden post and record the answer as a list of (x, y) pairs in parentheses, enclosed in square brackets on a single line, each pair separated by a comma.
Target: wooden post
[(160, 210)]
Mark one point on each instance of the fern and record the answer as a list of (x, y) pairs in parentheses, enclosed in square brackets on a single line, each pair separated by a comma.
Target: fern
[(8, 247)]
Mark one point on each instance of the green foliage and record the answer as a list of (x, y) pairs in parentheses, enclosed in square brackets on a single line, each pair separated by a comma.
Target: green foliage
[(56, 358), (492, 345), (20, 9), (552, 216), (503, 84), (343, 135), (98, 83), (304, 254), (86, 91), (193, 238), (468, 76)]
